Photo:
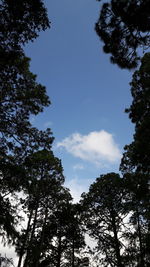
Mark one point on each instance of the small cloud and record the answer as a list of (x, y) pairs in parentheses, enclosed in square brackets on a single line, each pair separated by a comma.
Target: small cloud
[(96, 147), (76, 189), (48, 124), (78, 167)]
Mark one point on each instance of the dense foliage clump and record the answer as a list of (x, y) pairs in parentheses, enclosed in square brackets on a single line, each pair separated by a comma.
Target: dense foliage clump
[(124, 28)]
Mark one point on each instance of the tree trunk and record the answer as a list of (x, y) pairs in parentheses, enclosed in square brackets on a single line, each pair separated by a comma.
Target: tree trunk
[(117, 247), (73, 252), (25, 240), (59, 252), (142, 263), (31, 238), (41, 241)]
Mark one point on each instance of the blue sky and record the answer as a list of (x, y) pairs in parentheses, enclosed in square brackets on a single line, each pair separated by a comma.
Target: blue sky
[(87, 92)]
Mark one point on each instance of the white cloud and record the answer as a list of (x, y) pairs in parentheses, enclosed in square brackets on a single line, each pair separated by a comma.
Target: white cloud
[(78, 167), (96, 147), (76, 188)]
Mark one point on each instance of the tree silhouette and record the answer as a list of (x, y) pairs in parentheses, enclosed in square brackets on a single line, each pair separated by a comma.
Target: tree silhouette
[(124, 27), (135, 161), (44, 173), (20, 97), (137, 154), (103, 213)]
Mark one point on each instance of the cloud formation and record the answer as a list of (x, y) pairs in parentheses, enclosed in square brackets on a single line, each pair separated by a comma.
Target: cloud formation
[(76, 188), (96, 147), (78, 167)]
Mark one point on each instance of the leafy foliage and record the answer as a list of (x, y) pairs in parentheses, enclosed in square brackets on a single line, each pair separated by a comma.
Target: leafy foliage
[(137, 154), (20, 97), (21, 21), (103, 216), (124, 27), (135, 163)]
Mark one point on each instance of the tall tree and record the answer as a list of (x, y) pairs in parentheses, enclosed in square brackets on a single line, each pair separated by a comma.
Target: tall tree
[(135, 163), (45, 177), (137, 207), (103, 213), (64, 237), (20, 97), (74, 236), (20, 94), (137, 154)]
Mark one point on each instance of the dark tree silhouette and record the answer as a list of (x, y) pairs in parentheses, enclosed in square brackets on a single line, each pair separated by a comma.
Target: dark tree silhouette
[(20, 97), (137, 206), (44, 173), (135, 163), (21, 21), (137, 154), (124, 28), (103, 213)]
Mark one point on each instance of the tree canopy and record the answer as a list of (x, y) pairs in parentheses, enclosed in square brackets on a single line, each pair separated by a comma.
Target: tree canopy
[(20, 97), (124, 28), (21, 21), (137, 154)]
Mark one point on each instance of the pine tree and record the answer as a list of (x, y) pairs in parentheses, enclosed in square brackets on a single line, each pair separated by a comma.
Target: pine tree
[(104, 214), (124, 27)]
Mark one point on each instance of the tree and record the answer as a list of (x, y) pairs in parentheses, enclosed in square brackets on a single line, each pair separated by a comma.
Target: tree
[(124, 27), (44, 173), (74, 236), (137, 154), (21, 21), (135, 163), (64, 238), (14, 178), (138, 208), (103, 214), (20, 97), (20, 94)]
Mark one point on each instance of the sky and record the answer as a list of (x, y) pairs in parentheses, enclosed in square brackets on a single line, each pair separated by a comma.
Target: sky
[(88, 94)]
